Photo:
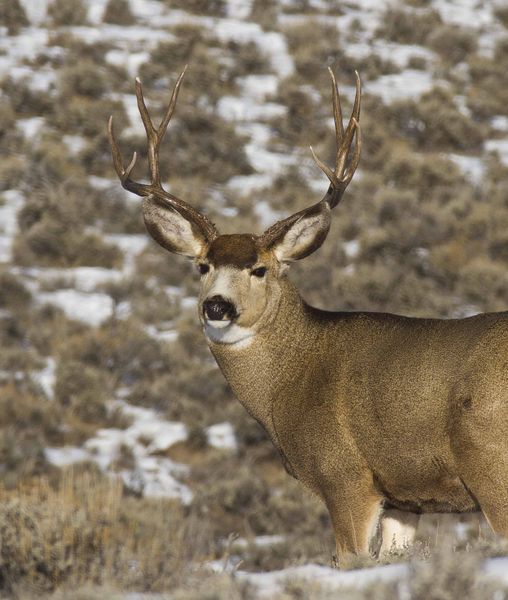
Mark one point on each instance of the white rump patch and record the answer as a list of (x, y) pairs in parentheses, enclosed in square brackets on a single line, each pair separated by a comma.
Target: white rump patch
[(225, 332)]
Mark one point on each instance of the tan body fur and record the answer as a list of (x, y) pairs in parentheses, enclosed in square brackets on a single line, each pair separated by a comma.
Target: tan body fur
[(370, 411), (368, 407)]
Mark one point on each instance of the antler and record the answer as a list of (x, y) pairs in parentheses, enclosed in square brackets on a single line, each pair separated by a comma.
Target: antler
[(344, 170), (343, 173), (154, 138)]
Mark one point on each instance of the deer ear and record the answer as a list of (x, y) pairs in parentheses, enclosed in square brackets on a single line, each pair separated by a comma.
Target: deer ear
[(172, 230), (304, 236)]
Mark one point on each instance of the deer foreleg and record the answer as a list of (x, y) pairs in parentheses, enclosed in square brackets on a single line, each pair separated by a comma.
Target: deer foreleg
[(355, 520)]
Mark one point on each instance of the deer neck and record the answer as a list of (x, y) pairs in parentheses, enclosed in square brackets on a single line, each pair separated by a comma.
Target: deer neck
[(264, 369)]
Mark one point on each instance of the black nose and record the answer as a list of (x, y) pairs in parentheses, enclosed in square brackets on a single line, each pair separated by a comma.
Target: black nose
[(216, 308)]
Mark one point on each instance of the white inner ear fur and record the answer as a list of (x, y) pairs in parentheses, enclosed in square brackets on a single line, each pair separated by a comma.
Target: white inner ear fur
[(300, 236), (179, 230)]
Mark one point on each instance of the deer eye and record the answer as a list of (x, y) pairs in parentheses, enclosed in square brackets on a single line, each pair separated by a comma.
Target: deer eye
[(259, 272), (203, 268)]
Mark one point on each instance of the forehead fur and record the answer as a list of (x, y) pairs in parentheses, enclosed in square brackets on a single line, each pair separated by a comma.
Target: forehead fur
[(236, 250)]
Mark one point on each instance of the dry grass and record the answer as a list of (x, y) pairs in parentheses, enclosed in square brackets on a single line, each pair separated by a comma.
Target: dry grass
[(83, 530)]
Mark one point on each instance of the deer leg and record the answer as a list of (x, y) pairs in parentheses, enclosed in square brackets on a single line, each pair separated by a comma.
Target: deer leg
[(480, 448), (355, 522), (398, 529), (488, 482)]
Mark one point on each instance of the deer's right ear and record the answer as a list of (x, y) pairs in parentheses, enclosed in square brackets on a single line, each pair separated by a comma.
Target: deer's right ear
[(172, 230)]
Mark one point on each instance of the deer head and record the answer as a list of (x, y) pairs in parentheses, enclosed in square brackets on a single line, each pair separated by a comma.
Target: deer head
[(240, 273)]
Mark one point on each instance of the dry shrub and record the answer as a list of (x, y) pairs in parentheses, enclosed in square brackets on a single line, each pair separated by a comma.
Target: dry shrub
[(52, 230), (303, 121), (85, 79), (68, 12), (208, 77), (118, 12), (373, 66), (214, 8), (122, 350), (50, 164), (168, 270), (251, 495), (488, 93), (13, 16), (298, 7), (215, 587), (85, 531), (453, 44), (27, 424), (247, 59), (265, 12), (25, 101), (82, 391), (314, 46), (12, 172), (206, 145), (78, 50), (501, 12), (7, 119), (85, 116), (434, 122), (50, 243), (407, 26), (449, 574), (13, 293)]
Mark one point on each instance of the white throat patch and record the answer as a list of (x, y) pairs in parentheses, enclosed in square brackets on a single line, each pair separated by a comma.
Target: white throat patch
[(225, 332)]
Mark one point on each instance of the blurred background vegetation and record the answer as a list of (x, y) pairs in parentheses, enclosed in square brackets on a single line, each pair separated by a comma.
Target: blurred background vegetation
[(422, 231)]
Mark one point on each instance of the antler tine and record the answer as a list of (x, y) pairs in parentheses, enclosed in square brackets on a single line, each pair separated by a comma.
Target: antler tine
[(342, 174), (337, 109), (356, 156), (172, 103), (155, 135), (124, 173), (351, 128), (154, 138)]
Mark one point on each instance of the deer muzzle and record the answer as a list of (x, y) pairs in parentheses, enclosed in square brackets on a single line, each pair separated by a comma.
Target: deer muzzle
[(218, 308)]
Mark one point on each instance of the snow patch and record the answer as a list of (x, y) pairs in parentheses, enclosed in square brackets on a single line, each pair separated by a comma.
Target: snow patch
[(499, 146), (472, 167), (13, 200), (270, 583), (90, 308), (30, 127), (234, 108), (351, 248), (244, 185), (222, 436), (132, 61), (46, 378), (409, 84), (146, 439)]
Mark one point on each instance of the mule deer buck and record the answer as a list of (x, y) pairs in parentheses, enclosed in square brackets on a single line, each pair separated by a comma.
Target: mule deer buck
[(371, 411)]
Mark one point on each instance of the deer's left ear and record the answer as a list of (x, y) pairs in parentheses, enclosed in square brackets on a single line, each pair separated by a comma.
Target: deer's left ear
[(304, 235)]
